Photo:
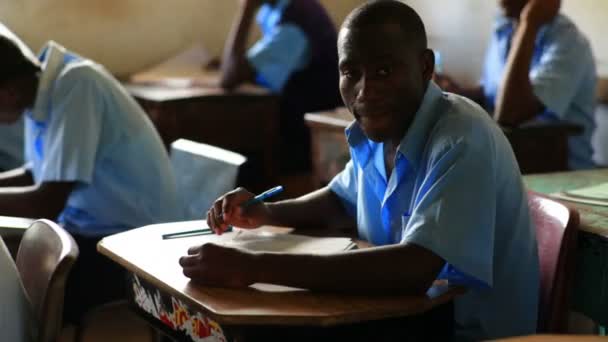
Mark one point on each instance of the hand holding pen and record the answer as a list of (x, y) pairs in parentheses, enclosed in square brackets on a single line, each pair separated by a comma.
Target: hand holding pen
[(240, 208)]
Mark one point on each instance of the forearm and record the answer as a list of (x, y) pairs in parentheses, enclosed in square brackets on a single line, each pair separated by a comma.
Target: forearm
[(297, 212), (390, 269), (516, 101), (16, 177), (234, 66), (46, 200)]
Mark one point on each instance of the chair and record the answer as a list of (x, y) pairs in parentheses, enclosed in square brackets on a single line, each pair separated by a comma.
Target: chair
[(556, 234), (203, 174), (44, 259)]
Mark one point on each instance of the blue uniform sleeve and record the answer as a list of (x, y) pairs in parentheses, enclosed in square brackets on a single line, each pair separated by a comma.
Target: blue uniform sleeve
[(344, 185), (74, 130), (454, 213), (560, 71), (279, 54)]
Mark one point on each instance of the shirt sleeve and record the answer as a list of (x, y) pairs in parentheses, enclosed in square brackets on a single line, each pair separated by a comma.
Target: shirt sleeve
[(559, 73), (344, 185), (74, 130), (454, 212), (279, 54)]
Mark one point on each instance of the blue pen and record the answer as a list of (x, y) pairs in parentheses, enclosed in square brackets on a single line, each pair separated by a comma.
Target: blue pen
[(263, 196)]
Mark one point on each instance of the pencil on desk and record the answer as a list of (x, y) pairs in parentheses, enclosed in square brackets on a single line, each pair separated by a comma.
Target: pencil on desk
[(188, 233)]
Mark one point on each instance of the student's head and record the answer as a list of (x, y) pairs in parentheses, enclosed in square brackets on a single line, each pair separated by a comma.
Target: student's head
[(385, 67), (19, 70), (512, 8)]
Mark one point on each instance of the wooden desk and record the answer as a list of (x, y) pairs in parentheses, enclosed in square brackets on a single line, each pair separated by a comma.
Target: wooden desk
[(591, 284), (244, 120), (538, 147), (163, 294)]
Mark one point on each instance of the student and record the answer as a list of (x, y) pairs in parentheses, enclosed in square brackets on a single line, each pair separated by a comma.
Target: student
[(94, 161), (16, 317), (296, 58), (538, 66), (432, 181)]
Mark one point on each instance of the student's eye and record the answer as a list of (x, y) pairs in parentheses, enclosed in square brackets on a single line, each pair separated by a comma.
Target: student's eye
[(348, 73)]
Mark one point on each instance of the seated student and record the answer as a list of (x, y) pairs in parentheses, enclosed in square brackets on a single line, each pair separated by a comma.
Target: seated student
[(432, 181), (17, 321), (94, 161), (11, 145), (296, 58), (538, 66)]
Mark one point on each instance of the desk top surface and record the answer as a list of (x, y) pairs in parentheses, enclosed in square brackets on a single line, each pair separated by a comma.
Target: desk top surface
[(179, 84), (14, 226), (594, 219), (144, 252)]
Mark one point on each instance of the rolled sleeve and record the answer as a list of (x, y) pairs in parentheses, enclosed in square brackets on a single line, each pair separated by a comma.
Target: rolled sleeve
[(344, 185), (454, 211), (559, 73), (279, 54), (72, 138)]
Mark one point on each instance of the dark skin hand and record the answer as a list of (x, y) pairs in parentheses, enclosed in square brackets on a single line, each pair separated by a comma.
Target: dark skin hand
[(374, 76)]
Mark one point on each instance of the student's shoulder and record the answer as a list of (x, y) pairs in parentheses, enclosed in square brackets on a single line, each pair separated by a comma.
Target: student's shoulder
[(81, 74), (564, 31)]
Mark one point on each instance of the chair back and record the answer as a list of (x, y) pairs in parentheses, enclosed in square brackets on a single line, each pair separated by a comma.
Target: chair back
[(556, 234), (203, 173), (44, 259)]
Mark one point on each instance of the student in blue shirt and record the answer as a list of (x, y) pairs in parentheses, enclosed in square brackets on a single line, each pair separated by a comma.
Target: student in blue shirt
[(538, 66), (432, 182), (94, 161), (296, 58)]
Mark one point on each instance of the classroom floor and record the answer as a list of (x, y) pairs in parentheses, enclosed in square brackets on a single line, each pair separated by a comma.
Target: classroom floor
[(116, 325)]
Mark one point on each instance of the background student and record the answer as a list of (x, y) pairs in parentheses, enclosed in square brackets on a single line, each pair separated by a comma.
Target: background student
[(296, 58), (95, 163), (538, 66)]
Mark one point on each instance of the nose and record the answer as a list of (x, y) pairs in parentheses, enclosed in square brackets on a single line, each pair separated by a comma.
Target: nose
[(367, 89)]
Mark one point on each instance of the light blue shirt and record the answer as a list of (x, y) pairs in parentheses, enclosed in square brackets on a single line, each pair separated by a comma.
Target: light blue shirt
[(563, 78), (11, 145), (85, 128), (283, 49), (455, 190)]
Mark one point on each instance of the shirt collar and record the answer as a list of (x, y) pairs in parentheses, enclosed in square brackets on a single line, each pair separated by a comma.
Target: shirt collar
[(269, 15), (504, 25), (414, 140), (52, 58)]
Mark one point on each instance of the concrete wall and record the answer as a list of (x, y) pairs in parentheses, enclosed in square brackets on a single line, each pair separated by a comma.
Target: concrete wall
[(128, 35)]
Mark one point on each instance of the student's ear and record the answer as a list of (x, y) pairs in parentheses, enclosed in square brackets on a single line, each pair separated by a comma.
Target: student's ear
[(428, 64)]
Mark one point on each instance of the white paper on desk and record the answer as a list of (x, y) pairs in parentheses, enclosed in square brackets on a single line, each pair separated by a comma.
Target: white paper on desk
[(285, 243), (594, 192)]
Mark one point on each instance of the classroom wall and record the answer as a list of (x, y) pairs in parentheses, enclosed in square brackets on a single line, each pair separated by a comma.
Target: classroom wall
[(128, 35)]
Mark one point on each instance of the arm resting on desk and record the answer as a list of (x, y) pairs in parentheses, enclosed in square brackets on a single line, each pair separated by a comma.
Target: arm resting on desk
[(16, 177), (402, 268), (45, 200)]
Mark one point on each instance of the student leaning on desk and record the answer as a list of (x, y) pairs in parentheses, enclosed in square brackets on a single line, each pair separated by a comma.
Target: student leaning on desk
[(95, 162), (295, 58), (538, 66), (432, 182)]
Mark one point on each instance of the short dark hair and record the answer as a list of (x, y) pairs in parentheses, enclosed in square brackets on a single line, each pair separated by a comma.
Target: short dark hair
[(15, 57), (381, 12)]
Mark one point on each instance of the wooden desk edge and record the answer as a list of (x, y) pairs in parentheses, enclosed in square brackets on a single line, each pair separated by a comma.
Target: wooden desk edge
[(446, 295)]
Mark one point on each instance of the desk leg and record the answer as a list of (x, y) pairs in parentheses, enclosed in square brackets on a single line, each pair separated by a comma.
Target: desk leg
[(171, 316)]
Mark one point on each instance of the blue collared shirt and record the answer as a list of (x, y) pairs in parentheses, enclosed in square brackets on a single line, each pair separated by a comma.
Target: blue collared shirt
[(283, 49), (563, 78), (85, 128), (455, 190)]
